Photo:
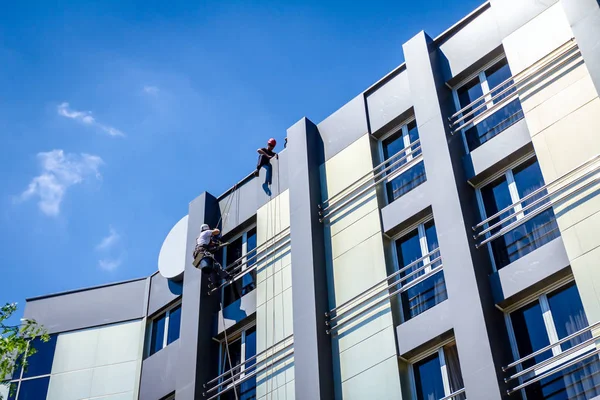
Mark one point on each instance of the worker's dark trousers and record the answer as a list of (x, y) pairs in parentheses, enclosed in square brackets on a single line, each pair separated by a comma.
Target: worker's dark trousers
[(269, 177), (214, 272)]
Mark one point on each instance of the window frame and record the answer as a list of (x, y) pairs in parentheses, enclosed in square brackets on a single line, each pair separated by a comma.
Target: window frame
[(244, 236), (485, 89), (541, 296), (507, 172), (241, 334), (167, 313), (390, 175), (420, 226), (439, 349)]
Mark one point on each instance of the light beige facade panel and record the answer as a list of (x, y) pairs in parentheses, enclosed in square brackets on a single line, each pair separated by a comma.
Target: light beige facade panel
[(379, 382)]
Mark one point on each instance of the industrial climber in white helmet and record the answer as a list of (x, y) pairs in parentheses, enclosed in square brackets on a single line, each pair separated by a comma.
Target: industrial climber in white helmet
[(207, 243)]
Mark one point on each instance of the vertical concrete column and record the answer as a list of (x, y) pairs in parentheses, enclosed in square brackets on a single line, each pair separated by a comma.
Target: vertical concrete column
[(481, 376), (584, 18), (312, 345), (196, 363)]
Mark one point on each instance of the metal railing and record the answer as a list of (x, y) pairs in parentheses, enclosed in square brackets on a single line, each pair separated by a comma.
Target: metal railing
[(535, 71), (563, 190), (370, 298), (453, 395), (552, 360), (356, 189), (231, 379), (268, 251)]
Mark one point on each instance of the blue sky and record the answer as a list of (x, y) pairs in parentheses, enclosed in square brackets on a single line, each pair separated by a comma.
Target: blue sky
[(114, 115)]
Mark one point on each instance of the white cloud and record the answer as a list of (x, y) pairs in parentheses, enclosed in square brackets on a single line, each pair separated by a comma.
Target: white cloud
[(153, 90), (109, 264), (59, 172), (110, 240), (86, 118)]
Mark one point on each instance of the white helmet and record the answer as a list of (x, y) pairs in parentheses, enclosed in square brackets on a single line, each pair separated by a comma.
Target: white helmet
[(204, 227)]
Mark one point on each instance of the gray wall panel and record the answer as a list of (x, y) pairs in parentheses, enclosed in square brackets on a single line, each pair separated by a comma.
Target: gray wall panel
[(424, 327), (90, 307), (197, 364), (312, 346), (162, 292), (343, 127), (498, 148), (584, 18), (389, 101), (159, 373), (472, 42), (529, 270), (510, 15)]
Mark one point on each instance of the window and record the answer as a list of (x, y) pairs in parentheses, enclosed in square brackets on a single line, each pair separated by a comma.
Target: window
[(242, 347), (40, 363), (425, 279), (507, 190), (545, 320), (32, 389), (241, 250), (403, 150), (164, 329), (490, 83), (438, 375)]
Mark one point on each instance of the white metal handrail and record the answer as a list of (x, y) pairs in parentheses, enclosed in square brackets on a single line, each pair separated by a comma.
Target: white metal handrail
[(252, 268), (408, 149), (254, 366), (517, 79), (559, 367), (272, 242), (228, 372), (544, 202), (260, 248), (251, 375), (402, 169), (403, 289), (453, 395), (350, 301)]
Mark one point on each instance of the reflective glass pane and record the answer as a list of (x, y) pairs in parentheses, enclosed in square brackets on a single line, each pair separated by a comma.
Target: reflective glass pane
[(234, 252), (428, 379), (393, 144), (249, 280), (424, 295), (406, 181), (568, 315), (34, 389), (248, 388), (530, 332), (432, 242), (157, 334), (174, 325), (41, 362), (455, 378), (469, 93), (494, 124), (496, 197)]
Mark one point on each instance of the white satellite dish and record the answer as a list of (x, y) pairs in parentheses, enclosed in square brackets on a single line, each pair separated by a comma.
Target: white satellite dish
[(171, 259)]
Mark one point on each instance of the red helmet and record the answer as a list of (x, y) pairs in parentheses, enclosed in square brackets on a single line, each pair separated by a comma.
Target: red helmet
[(272, 142)]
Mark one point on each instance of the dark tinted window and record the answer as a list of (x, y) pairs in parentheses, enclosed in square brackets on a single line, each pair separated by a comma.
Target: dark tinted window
[(428, 379), (34, 389), (568, 315), (234, 251), (41, 362), (174, 325), (157, 335), (248, 388), (530, 332)]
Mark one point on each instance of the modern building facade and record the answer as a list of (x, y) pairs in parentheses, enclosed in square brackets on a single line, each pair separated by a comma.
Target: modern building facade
[(437, 237)]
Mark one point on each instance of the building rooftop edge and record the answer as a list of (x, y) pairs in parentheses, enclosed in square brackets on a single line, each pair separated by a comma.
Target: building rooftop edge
[(85, 289)]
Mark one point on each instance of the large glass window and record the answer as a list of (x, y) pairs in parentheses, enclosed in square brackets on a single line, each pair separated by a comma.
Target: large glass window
[(402, 148), (240, 251), (242, 347), (164, 329), (489, 87), (438, 375), (508, 189), (423, 281), (33, 389), (549, 318)]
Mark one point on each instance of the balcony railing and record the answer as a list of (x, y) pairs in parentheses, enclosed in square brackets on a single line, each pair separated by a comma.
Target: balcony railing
[(370, 298), (261, 253), (242, 372), (454, 395), (506, 92), (555, 364), (411, 155), (566, 186)]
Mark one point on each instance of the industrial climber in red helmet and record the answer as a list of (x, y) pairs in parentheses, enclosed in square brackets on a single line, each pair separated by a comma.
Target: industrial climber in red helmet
[(264, 160)]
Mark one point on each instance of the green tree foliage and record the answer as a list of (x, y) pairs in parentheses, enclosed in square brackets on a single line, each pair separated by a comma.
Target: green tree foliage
[(15, 342)]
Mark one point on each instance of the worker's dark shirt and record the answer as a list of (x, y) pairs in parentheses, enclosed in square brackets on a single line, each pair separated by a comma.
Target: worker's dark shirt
[(262, 160)]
